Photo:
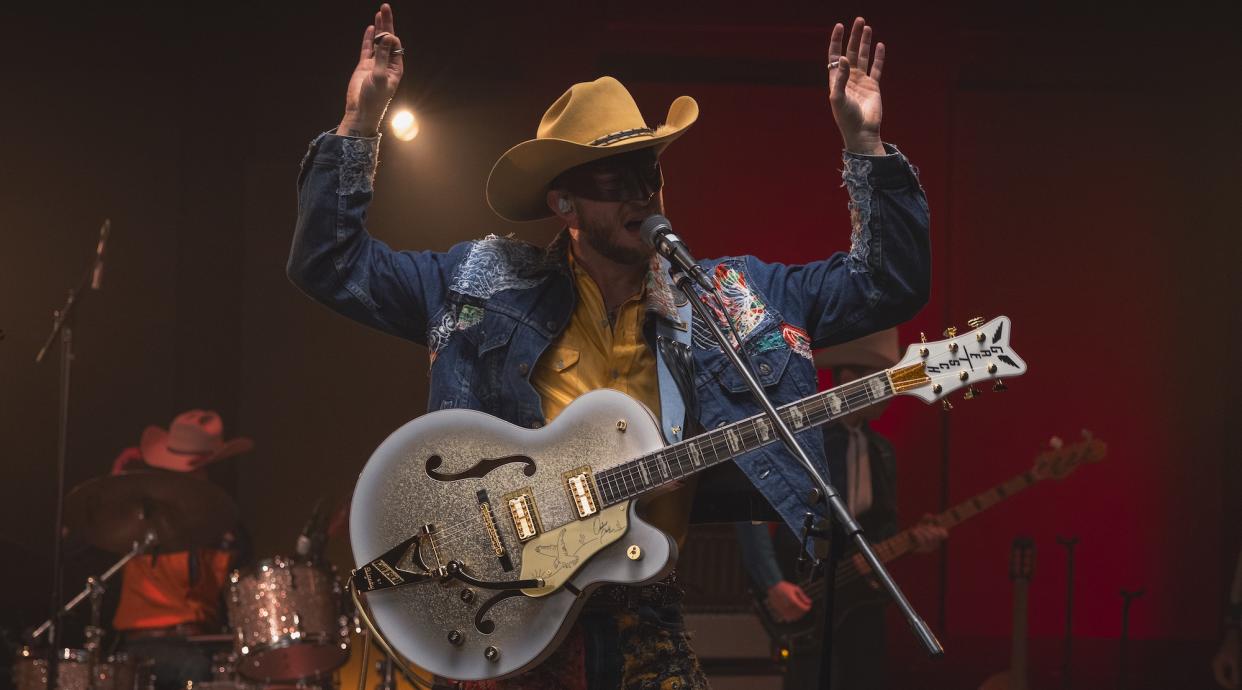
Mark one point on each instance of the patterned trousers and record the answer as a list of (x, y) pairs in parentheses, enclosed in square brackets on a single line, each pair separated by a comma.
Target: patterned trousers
[(643, 646)]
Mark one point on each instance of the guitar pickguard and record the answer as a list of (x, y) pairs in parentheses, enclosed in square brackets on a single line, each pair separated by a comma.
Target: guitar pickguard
[(556, 555)]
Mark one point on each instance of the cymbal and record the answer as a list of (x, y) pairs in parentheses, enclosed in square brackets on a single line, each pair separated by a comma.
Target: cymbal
[(115, 511)]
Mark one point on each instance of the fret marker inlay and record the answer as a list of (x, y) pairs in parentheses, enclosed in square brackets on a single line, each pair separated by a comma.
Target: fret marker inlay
[(696, 455), (796, 417), (877, 387), (764, 428)]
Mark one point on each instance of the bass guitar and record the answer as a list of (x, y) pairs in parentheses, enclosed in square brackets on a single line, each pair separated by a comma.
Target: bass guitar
[(478, 541), (853, 588)]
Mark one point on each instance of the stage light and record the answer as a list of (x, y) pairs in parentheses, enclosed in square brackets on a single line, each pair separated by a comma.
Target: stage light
[(404, 126)]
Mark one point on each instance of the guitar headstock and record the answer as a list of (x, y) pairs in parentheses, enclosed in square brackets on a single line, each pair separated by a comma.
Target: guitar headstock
[(931, 371), (1060, 459), (1022, 559)]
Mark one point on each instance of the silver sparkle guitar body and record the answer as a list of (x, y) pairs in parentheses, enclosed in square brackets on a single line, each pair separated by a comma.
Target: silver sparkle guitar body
[(477, 541), (457, 631)]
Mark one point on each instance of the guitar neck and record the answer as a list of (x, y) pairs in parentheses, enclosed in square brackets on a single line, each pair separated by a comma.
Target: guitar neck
[(648, 473), (902, 543)]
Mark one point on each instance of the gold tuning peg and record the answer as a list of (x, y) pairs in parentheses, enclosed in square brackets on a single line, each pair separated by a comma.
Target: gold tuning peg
[(950, 332), (922, 337), (1000, 387), (1056, 442), (946, 404), (971, 393), (975, 322)]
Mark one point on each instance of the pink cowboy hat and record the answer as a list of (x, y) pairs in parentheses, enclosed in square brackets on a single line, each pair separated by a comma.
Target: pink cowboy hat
[(194, 439)]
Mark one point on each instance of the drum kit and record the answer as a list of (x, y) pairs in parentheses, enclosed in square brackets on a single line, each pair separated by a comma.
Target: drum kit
[(288, 621)]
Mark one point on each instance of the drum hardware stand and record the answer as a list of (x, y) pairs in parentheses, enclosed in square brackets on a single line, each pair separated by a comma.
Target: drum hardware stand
[(62, 325), (388, 678), (1127, 598), (94, 590), (1068, 543), (836, 507)]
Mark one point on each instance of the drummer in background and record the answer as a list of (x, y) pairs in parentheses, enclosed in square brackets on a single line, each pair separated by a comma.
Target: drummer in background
[(168, 597)]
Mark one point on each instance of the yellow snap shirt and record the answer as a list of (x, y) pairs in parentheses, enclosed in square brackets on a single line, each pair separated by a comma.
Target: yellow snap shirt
[(592, 353)]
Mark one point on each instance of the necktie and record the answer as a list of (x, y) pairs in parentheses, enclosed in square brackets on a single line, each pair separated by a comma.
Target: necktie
[(858, 472)]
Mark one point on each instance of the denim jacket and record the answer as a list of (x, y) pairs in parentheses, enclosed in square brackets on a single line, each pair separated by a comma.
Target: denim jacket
[(758, 550), (487, 309)]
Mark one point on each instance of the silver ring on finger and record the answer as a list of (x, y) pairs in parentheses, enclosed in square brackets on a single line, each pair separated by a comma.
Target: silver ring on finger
[(834, 64), (380, 36), (399, 51)]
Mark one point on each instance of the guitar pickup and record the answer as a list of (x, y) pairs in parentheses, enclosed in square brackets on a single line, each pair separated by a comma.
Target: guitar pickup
[(581, 491), (524, 514)]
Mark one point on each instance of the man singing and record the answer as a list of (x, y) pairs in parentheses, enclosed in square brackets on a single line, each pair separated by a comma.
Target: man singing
[(519, 331)]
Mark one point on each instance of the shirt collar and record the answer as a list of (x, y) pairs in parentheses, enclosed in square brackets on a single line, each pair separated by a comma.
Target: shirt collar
[(657, 293)]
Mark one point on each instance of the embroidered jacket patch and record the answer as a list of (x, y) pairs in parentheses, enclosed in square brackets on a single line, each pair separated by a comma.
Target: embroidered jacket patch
[(797, 339), (744, 306)]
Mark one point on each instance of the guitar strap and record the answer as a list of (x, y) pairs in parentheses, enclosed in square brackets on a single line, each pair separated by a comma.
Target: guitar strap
[(675, 370)]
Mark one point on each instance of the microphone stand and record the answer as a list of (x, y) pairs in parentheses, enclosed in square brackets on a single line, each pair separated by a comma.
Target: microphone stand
[(62, 325), (837, 508)]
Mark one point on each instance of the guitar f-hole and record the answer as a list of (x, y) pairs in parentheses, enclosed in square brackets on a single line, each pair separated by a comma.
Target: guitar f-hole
[(479, 469), (488, 626)]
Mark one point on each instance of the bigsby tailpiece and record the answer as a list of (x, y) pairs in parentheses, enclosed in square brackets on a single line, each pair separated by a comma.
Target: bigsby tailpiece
[(386, 572)]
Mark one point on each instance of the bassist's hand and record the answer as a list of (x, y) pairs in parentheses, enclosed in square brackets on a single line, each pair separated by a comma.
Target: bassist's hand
[(927, 535), (788, 602)]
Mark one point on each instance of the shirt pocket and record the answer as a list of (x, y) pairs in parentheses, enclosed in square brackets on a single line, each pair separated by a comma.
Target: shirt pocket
[(561, 361)]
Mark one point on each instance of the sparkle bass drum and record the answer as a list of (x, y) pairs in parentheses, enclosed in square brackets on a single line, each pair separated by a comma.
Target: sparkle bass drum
[(288, 620), (116, 672)]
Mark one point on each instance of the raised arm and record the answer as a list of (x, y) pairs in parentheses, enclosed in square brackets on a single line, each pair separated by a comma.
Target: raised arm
[(885, 278), (333, 258)]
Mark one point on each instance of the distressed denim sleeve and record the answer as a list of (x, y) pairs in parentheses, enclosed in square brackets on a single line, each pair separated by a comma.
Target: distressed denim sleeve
[(885, 277), (334, 259), (758, 554)]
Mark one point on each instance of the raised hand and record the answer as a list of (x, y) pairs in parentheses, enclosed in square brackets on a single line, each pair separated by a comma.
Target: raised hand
[(854, 88), (374, 81)]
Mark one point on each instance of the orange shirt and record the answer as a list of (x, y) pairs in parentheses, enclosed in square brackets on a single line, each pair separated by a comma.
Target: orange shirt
[(162, 595), (591, 354)]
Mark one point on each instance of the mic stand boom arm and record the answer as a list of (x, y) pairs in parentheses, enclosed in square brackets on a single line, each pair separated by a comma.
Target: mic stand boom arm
[(837, 507)]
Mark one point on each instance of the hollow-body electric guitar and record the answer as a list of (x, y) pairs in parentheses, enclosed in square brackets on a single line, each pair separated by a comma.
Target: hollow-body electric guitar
[(477, 541)]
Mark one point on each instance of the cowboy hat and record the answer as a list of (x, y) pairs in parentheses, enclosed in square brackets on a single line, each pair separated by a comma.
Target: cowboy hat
[(194, 439), (875, 351), (591, 120)]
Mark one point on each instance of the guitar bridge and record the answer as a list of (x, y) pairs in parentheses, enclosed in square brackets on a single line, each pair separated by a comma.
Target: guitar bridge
[(489, 524), (581, 490)]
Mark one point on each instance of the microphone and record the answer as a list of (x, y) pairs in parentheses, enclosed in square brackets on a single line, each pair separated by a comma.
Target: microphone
[(97, 274), (311, 537), (657, 232)]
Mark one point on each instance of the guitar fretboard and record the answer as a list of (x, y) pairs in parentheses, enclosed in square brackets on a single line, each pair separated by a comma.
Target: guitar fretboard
[(636, 477)]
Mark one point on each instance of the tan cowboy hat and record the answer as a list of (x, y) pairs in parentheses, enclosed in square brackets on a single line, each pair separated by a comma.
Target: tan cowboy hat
[(194, 439), (875, 351), (591, 120)]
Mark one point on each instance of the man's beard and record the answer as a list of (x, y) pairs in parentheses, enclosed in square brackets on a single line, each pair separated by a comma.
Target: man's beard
[(603, 240)]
